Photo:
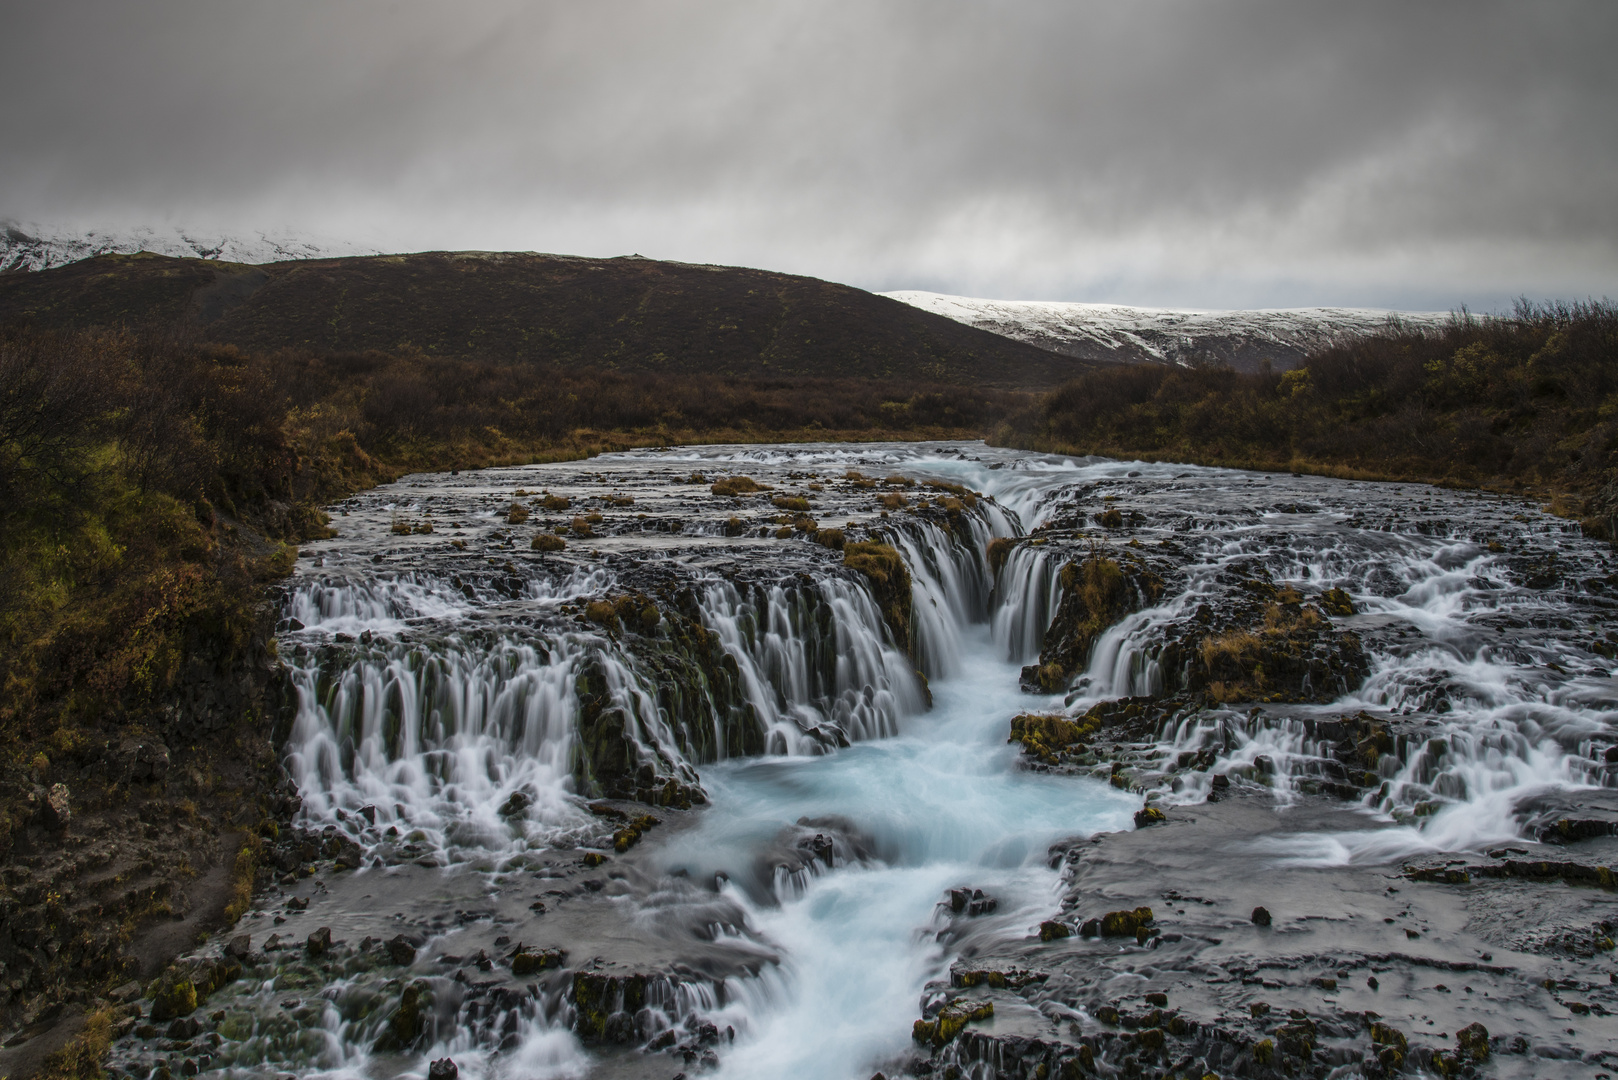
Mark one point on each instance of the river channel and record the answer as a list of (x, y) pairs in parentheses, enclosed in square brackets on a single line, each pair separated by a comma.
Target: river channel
[(694, 788)]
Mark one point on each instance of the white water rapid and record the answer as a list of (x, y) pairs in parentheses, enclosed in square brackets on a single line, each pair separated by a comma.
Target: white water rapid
[(473, 727)]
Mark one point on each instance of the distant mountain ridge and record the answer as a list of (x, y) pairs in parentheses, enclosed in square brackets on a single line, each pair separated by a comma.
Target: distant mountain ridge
[(1115, 333), (38, 247), (625, 314)]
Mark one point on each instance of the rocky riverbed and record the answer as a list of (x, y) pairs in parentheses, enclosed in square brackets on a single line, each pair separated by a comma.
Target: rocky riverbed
[(925, 760)]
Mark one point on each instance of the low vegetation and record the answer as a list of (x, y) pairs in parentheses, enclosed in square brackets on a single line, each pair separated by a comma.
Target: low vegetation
[(1528, 402)]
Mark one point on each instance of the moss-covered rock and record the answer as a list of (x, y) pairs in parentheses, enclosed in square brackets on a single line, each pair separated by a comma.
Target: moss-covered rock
[(1095, 593), (409, 1021), (526, 962), (950, 1020), (890, 584), (603, 1003)]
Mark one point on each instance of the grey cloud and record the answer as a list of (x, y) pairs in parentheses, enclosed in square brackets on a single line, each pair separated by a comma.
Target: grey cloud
[(1202, 153)]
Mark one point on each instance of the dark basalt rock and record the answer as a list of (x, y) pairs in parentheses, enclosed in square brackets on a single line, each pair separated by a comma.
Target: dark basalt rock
[(1096, 593), (606, 1005), (401, 951), (889, 580), (529, 962), (950, 1020), (410, 1020)]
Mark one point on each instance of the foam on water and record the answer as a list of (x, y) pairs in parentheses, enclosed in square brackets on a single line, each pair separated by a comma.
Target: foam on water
[(942, 806), (429, 698)]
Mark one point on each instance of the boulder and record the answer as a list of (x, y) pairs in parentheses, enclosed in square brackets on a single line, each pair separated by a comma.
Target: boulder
[(530, 962), (401, 951), (950, 1020), (409, 1020)]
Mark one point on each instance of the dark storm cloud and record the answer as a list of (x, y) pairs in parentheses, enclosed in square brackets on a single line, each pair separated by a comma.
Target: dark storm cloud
[(1146, 152)]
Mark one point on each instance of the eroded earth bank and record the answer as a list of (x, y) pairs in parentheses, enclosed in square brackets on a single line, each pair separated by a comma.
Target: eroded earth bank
[(929, 761)]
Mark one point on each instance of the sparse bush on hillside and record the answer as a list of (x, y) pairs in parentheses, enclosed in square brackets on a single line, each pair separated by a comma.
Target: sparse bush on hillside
[(1528, 401)]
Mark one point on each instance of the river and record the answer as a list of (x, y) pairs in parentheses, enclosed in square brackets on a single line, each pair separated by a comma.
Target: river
[(840, 821)]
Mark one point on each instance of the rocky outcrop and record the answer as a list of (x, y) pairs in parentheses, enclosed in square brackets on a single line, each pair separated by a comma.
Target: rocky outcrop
[(889, 581), (132, 824), (1096, 592)]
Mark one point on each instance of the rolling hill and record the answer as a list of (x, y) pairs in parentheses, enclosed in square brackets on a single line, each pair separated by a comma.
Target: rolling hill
[(623, 314), (1114, 333)]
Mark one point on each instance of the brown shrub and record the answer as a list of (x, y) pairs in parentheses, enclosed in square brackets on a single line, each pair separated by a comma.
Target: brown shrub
[(737, 485)]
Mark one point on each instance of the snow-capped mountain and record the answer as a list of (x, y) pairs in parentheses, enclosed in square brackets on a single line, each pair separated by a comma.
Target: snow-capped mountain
[(36, 247), (1132, 335)]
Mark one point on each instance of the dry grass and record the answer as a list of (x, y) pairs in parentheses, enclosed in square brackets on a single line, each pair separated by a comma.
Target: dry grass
[(1238, 646), (737, 486), (879, 562), (81, 1058), (243, 872)]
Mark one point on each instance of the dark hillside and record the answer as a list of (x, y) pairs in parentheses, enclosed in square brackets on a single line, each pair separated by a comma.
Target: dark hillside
[(625, 314)]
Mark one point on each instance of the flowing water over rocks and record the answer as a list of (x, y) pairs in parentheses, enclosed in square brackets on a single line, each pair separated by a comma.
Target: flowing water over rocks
[(818, 761)]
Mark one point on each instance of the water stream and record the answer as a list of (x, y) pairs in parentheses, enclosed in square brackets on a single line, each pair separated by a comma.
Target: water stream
[(469, 727)]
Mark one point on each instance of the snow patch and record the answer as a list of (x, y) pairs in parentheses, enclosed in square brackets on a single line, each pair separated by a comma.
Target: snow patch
[(37, 247), (1122, 334)]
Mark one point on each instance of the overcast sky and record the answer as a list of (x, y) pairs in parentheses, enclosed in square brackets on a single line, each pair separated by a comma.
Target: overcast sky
[(1208, 154)]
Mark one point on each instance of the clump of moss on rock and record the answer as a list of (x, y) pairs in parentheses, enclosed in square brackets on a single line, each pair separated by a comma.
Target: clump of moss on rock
[(738, 485), (890, 583), (1096, 593)]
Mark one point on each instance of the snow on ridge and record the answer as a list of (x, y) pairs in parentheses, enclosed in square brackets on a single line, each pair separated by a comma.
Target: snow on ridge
[(36, 247), (1124, 334)]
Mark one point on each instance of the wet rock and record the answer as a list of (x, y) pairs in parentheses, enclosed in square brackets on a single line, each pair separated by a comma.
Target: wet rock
[(239, 947), (1151, 815), (1391, 1046), (1473, 1041), (1261, 916), (1095, 594), (999, 979), (318, 943), (889, 579), (173, 995), (401, 951), (186, 1027), (530, 962), (1118, 924), (950, 1020), (516, 804), (628, 836), (1051, 930), (1337, 602), (409, 1020), (971, 902), (604, 1005), (443, 1069)]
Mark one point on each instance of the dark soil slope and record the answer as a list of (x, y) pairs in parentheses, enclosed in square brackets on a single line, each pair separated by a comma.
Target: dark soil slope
[(625, 314)]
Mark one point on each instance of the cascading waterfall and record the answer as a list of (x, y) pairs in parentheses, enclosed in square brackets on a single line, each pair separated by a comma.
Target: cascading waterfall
[(1027, 591), (818, 666), (455, 694)]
